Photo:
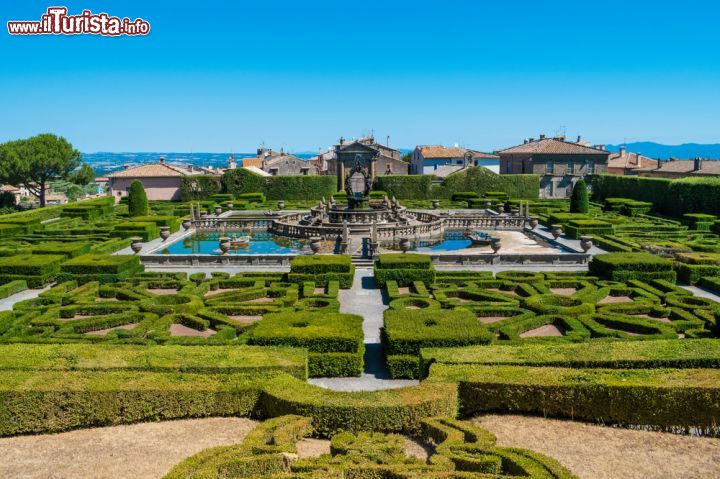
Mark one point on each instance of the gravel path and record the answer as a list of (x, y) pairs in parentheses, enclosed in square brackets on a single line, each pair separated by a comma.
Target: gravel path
[(136, 451), (597, 452)]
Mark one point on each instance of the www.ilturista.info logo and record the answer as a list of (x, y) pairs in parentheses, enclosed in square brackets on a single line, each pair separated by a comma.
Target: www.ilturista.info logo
[(57, 22)]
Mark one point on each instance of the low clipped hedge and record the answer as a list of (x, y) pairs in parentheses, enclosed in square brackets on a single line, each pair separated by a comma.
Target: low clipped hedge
[(13, 287), (102, 267), (663, 398), (322, 269), (69, 250), (404, 269), (35, 270), (407, 331), (627, 266), (334, 341), (556, 304), (690, 353)]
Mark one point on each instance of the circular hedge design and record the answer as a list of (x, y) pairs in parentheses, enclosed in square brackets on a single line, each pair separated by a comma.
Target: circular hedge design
[(414, 303), (554, 304), (171, 303), (520, 276)]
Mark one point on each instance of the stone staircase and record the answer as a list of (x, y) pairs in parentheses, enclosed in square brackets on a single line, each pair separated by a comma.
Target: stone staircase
[(361, 262)]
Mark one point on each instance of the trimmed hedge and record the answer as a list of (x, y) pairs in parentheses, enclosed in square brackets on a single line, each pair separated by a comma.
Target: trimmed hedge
[(627, 266), (137, 200), (404, 269), (36, 270), (663, 398), (13, 287), (297, 187), (335, 341), (322, 269), (407, 331), (101, 267)]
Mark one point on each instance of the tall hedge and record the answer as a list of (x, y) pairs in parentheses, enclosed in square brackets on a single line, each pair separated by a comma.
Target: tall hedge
[(296, 187), (137, 200), (200, 187), (579, 202), (671, 197), (415, 187), (478, 180)]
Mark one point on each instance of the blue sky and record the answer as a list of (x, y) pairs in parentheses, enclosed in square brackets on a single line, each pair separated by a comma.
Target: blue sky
[(228, 76)]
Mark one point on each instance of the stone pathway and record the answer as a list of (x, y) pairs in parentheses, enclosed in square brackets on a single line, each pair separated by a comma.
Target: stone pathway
[(6, 304), (367, 301), (574, 245)]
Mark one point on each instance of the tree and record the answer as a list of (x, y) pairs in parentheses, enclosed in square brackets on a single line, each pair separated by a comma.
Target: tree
[(137, 199), (35, 161), (579, 202), (83, 175)]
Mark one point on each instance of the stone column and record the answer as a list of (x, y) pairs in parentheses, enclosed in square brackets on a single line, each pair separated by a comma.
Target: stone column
[(341, 176)]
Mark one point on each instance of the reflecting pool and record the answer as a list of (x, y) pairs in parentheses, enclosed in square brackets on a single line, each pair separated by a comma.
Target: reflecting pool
[(260, 243)]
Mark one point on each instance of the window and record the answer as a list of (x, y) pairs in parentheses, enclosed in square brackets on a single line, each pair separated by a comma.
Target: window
[(550, 167), (570, 168), (590, 167)]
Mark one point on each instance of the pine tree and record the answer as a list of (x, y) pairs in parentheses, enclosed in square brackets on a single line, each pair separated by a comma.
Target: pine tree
[(137, 200), (579, 202)]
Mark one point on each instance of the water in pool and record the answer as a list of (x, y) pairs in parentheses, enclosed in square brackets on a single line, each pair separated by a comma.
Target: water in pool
[(452, 241), (260, 243)]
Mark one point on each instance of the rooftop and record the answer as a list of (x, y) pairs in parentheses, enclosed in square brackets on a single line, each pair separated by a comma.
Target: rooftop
[(439, 151), (628, 160), (555, 145), (153, 170)]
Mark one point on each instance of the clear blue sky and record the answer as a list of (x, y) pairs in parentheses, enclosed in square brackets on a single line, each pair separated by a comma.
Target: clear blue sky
[(226, 76)]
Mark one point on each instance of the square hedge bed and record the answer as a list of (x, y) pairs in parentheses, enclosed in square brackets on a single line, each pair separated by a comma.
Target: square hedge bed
[(36, 270), (322, 269), (405, 332), (101, 267), (334, 341), (403, 268), (627, 266)]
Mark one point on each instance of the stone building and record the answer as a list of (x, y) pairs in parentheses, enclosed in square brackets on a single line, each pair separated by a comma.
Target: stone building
[(370, 157), (279, 163), (559, 163), (427, 159), (674, 168), (161, 181), (627, 163)]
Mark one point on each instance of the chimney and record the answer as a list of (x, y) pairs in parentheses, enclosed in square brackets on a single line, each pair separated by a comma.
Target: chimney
[(660, 163), (698, 164), (162, 160), (542, 136), (342, 140), (579, 139), (525, 141), (530, 140), (126, 166), (622, 151), (639, 160)]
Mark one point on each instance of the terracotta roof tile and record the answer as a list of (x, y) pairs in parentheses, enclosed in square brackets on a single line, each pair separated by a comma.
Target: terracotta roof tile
[(153, 170), (439, 151), (553, 146), (630, 160)]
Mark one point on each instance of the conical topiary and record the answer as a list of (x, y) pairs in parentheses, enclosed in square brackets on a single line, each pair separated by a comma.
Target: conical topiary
[(579, 202), (137, 200)]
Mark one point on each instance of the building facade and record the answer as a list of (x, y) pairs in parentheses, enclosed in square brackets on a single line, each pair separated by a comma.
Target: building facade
[(673, 168), (559, 163), (426, 159), (161, 181), (279, 163)]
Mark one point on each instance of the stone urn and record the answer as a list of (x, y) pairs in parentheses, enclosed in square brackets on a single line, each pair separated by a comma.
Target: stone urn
[(533, 221), (514, 211), (281, 205), (435, 204), (556, 231), (229, 205), (224, 244), (186, 224), (164, 232), (586, 243), (404, 244), (315, 244), (495, 244), (487, 204), (501, 208), (218, 210), (136, 244)]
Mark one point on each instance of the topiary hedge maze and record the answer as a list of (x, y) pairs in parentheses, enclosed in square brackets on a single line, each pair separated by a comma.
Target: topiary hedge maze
[(462, 450), (466, 308)]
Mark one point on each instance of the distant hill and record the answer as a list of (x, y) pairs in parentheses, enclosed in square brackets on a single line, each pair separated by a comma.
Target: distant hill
[(684, 151)]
